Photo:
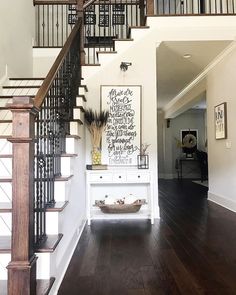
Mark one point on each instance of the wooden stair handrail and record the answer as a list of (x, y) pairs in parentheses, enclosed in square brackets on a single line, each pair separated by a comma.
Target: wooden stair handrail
[(43, 90)]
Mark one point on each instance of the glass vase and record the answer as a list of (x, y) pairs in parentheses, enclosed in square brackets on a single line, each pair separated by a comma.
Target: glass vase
[(96, 156)]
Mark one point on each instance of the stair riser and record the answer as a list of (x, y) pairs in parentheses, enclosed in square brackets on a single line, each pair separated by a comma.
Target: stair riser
[(67, 165), (137, 34), (121, 46), (61, 190), (81, 91), (19, 91), (78, 115), (4, 101), (5, 167), (25, 83), (4, 260), (105, 58), (54, 220), (80, 102), (75, 128), (44, 265), (6, 146), (5, 115), (71, 145), (6, 129), (5, 192), (5, 224), (90, 71)]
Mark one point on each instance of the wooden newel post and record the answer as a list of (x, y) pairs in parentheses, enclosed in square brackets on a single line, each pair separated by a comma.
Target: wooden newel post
[(150, 7), (80, 13), (142, 12), (22, 268)]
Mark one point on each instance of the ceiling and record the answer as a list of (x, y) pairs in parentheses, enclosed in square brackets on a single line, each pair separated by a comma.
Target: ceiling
[(174, 72)]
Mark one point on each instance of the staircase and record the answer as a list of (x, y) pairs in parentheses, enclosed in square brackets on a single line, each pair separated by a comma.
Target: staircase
[(57, 214)]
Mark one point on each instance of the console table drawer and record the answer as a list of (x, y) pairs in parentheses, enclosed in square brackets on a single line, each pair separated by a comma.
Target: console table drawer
[(138, 177), (100, 177), (119, 177)]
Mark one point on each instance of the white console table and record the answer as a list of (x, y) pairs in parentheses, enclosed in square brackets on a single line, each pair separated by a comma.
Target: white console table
[(119, 183)]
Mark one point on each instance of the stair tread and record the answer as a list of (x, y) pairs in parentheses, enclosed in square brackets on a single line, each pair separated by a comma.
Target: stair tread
[(139, 27), (6, 207), (72, 120), (44, 286), (23, 79), (58, 178), (5, 156), (57, 207), (11, 96), (124, 39), (49, 246), (6, 179), (64, 178), (73, 136), (20, 87), (106, 52), (90, 65), (69, 155)]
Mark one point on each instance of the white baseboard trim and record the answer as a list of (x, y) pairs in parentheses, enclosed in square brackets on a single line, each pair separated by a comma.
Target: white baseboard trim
[(222, 201), (59, 280)]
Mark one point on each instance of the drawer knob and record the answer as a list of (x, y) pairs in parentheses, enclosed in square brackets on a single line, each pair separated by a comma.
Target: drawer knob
[(119, 176), (100, 176), (138, 176)]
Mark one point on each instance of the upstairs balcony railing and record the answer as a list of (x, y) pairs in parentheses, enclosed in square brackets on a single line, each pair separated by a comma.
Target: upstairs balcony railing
[(195, 7), (106, 20)]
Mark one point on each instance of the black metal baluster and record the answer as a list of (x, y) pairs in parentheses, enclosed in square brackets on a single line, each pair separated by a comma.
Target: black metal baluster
[(66, 22), (38, 9), (57, 26), (62, 25), (43, 26), (48, 35)]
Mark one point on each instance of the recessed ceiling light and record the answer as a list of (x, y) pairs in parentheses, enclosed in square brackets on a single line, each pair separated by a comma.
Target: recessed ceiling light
[(187, 55)]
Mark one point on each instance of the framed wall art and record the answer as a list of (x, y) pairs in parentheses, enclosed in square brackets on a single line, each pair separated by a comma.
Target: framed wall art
[(221, 121), (122, 138)]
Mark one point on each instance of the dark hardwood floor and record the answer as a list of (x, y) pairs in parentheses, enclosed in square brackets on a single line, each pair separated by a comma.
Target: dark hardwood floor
[(190, 250)]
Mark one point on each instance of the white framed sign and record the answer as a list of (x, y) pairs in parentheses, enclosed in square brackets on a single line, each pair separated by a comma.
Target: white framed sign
[(122, 137), (220, 121)]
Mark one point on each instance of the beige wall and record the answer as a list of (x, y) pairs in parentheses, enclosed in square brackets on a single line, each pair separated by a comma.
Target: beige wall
[(191, 119), (221, 87), (16, 33)]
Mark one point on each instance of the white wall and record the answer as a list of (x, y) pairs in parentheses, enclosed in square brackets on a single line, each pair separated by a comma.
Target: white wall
[(43, 59), (221, 87), (16, 33), (142, 72)]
